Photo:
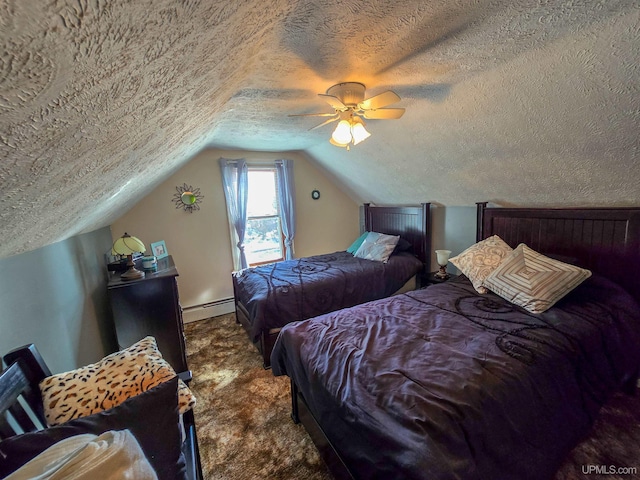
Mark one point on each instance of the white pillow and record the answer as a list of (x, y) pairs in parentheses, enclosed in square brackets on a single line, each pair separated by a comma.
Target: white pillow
[(533, 281), (377, 247)]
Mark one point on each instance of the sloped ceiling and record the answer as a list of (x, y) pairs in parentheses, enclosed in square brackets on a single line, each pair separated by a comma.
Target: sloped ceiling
[(518, 102)]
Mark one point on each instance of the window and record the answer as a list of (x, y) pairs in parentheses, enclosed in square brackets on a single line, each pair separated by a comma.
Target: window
[(263, 236), (254, 196)]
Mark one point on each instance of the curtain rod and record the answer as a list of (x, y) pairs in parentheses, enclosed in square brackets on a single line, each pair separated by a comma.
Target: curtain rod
[(253, 163)]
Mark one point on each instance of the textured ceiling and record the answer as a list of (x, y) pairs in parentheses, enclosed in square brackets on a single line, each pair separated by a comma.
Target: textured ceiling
[(518, 102)]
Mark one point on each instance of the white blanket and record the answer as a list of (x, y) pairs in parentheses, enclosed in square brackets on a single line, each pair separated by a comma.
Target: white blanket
[(114, 455)]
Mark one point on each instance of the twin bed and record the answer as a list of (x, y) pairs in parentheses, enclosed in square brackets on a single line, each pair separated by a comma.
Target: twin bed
[(270, 296), (444, 382)]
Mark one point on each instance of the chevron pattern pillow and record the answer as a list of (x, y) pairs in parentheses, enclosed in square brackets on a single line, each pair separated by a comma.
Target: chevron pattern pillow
[(533, 281)]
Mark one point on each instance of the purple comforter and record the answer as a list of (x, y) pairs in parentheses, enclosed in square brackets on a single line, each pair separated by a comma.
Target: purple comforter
[(443, 383), (283, 292)]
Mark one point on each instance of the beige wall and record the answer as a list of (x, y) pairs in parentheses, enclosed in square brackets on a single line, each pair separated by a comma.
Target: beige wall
[(199, 242), (56, 298)]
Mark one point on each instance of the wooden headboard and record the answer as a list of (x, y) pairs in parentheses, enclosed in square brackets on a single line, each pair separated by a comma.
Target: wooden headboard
[(411, 223), (604, 240)]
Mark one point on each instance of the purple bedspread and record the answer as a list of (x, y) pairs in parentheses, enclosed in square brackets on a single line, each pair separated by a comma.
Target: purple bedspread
[(443, 383), (283, 292)]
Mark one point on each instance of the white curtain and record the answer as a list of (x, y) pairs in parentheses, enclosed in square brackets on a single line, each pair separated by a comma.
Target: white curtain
[(284, 169), (235, 181)]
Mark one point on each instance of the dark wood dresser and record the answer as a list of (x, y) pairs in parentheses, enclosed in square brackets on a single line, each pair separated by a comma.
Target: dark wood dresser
[(150, 306)]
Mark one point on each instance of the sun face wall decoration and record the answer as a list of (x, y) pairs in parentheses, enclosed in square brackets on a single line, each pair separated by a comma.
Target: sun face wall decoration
[(187, 198)]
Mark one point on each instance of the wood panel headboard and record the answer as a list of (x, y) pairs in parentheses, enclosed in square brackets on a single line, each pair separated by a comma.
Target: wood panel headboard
[(604, 240), (412, 223)]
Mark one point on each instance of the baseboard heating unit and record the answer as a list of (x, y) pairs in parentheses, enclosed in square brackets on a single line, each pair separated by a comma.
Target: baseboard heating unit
[(207, 310)]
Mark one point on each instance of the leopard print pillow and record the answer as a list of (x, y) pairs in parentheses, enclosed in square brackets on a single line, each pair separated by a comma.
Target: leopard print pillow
[(109, 382)]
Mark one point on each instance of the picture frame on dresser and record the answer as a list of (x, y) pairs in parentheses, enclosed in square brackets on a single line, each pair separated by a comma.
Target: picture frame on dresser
[(159, 249)]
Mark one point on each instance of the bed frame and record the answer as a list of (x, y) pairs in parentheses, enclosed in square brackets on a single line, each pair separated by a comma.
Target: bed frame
[(413, 223), (605, 240), (21, 379)]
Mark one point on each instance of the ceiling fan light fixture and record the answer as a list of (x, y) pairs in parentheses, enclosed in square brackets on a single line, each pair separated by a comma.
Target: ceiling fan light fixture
[(342, 133), (341, 145), (358, 132), (349, 131), (349, 104)]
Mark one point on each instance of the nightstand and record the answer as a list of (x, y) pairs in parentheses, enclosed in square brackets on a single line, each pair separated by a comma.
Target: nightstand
[(150, 306), (430, 278)]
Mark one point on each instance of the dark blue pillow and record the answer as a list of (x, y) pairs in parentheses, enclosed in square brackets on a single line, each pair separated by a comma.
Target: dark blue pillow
[(565, 259), (151, 416), (402, 246)]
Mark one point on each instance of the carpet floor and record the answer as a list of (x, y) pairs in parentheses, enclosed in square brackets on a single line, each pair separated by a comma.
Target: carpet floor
[(243, 412), (245, 431)]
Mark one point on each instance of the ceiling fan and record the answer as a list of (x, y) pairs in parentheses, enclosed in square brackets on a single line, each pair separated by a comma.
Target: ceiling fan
[(350, 106)]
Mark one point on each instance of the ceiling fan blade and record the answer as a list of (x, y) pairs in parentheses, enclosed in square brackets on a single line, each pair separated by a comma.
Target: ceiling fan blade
[(324, 123), (384, 113), (311, 115), (335, 102), (378, 101)]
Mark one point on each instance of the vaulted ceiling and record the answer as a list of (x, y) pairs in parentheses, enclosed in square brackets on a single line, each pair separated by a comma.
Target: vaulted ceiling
[(513, 101)]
